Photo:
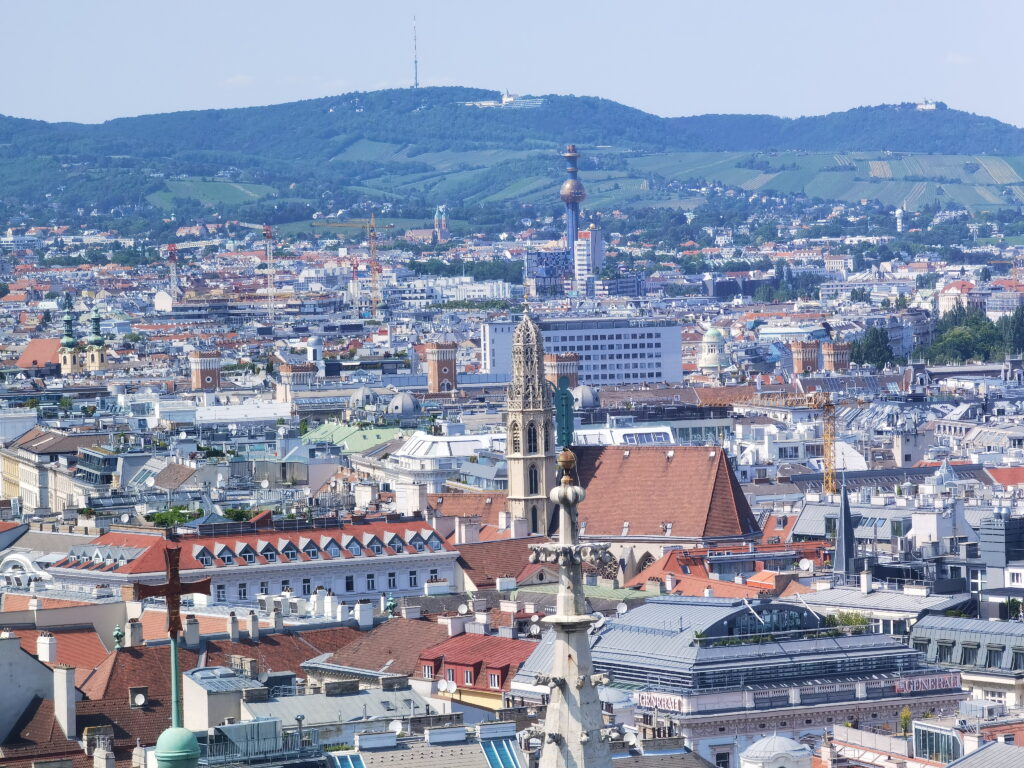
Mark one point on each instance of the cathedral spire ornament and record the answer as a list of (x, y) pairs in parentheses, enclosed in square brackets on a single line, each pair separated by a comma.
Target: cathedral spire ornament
[(574, 735)]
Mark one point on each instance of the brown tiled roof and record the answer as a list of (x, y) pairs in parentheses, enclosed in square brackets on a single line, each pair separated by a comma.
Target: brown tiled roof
[(281, 652), (173, 476), (393, 647), (78, 647), (39, 352), (486, 562), (146, 665), (693, 488), (486, 506), (42, 441)]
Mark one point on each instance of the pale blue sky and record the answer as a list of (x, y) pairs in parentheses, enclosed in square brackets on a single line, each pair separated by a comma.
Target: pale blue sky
[(90, 60)]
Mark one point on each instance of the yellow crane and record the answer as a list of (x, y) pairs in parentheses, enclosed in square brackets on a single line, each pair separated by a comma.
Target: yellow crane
[(371, 226), (817, 400)]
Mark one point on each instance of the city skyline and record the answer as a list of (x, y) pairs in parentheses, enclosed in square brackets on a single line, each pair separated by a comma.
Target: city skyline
[(233, 55)]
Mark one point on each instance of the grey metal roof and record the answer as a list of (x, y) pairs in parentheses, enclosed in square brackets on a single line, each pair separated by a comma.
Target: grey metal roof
[(321, 708), (880, 600), (992, 755), (221, 679)]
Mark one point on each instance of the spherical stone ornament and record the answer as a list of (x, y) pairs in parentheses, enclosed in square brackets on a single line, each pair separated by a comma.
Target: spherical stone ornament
[(572, 191)]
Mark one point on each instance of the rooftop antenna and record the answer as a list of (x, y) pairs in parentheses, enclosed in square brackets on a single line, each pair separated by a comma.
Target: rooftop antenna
[(415, 57)]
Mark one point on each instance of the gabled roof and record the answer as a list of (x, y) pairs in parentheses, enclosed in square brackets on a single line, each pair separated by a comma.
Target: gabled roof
[(39, 352), (691, 488), (392, 648), (486, 562)]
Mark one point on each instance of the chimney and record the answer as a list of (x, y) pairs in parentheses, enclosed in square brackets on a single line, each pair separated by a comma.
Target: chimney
[(253, 625), (344, 612), (412, 612), (519, 528), (232, 627), (46, 647), (277, 619), (330, 605), (364, 615), (103, 756), (456, 624), (133, 637), (708, 592), (504, 519), (190, 638), (286, 603), (64, 700), (670, 582), (467, 530), (866, 586)]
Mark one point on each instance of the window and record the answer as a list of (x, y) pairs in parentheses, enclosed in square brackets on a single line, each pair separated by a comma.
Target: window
[(264, 587), (307, 588), (945, 653), (397, 545), (414, 579), (1017, 661), (371, 582), (428, 671), (467, 677), (921, 646), (377, 548), (313, 553), (333, 550), (721, 760), (419, 546), (435, 545), (221, 593), (243, 591), (531, 438), (533, 481), (997, 696), (969, 655), (514, 438), (271, 556), (250, 557), (494, 681), (433, 574), (1015, 577), (285, 585), (450, 674), (392, 580), (205, 560), (994, 658), (350, 583), (355, 549)]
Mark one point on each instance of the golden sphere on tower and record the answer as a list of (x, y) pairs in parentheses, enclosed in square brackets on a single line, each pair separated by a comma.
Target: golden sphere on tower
[(572, 191)]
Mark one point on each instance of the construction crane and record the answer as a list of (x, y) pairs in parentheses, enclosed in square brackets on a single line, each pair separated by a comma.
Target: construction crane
[(371, 227), (817, 400)]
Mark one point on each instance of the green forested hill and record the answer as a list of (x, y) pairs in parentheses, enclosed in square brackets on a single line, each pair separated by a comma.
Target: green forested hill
[(423, 145)]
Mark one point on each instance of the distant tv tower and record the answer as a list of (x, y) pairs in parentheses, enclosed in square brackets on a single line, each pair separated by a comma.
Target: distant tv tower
[(415, 57)]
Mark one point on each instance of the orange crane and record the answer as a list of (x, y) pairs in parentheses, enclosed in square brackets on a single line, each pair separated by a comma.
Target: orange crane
[(371, 227), (819, 401)]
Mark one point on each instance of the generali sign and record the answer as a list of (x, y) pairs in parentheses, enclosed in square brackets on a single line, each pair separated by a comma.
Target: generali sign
[(668, 702), (928, 683)]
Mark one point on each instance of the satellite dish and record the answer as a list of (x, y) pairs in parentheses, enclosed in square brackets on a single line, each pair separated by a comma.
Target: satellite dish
[(150, 482), (395, 726), (232, 428), (220, 478), (806, 565), (264, 484), (621, 609), (182, 435), (140, 699), (535, 618), (282, 431), (630, 738), (126, 518), (463, 609), (534, 629)]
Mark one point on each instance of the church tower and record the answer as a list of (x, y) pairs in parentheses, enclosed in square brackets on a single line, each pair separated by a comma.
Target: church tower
[(96, 347), (70, 360), (530, 447)]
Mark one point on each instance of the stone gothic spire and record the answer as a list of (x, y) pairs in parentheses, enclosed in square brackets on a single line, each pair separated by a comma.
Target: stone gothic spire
[(574, 735), (530, 447)]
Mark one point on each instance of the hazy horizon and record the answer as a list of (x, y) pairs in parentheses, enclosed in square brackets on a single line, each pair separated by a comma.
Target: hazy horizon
[(91, 63)]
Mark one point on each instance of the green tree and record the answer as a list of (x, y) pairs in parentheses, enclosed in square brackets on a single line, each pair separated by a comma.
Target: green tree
[(906, 717), (873, 347), (66, 404)]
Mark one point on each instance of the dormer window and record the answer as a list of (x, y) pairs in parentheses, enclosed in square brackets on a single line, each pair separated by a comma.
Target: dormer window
[(333, 550), (205, 560), (312, 553), (355, 549), (227, 558), (397, 545), (271, 556), (419, 546), (377, 548), (250, 557), (435, 545)]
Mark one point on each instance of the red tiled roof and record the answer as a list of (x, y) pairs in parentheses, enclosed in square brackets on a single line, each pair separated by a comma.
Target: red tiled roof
[(78, 647), (694, 489), (393, 647), (1006, 476), (486, 562), (39, 352), (484, 653), (486, 506)]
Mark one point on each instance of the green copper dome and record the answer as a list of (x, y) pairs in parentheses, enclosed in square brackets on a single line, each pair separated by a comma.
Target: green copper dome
[(177, 748), (95, 339)]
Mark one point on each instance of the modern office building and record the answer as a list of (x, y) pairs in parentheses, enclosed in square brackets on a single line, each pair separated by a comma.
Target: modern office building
[(722, 674), (611, 350)]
